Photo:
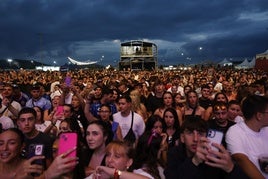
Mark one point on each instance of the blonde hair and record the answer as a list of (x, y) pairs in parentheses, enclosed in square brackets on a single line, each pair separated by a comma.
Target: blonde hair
[(121, 148)]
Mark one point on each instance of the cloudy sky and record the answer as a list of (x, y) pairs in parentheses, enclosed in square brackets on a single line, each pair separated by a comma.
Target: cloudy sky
[(51, 30)]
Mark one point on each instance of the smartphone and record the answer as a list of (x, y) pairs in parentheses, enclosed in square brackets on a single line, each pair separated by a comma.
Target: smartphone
[(67, 141), (214, 136), (36, 150), (263, 162), (59, 110), (68, 81)]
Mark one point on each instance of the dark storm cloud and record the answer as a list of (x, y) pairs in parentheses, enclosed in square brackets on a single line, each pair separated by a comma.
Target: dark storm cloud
[(90, 29)]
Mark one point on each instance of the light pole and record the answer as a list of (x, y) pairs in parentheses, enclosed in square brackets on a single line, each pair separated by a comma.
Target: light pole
[(200, 49), (9, 61), (102, 57)]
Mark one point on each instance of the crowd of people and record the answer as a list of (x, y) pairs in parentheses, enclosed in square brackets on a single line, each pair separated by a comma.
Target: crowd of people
[(135, 124)]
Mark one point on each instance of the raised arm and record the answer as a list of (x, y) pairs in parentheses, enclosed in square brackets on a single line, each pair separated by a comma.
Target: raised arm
[(89, 116), (114, 173), (247, 166)]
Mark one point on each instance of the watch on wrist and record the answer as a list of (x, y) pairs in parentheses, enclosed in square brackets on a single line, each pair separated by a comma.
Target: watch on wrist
[(117, 174)]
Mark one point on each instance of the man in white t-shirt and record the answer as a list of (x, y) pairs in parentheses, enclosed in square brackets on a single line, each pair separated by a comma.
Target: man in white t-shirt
[(176, 84), (124, 118), (247, 140), (9, 107)]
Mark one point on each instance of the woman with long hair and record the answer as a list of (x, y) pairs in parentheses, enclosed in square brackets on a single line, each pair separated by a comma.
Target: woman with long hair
[(98, 135), (171, 127), (192, 107), (146, 160), (42, 125), (137, 106), (156, 125), (168, 102)]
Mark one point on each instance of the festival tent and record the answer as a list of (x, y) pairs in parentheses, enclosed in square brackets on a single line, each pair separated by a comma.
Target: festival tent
[(244, 65), (262, 55), (225, 62), (252, 62)]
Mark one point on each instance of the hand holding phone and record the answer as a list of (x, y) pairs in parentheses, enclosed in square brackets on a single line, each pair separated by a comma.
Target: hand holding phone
[(36, 150), (68, 81), (59, 110), (214, 136), (67, 142)]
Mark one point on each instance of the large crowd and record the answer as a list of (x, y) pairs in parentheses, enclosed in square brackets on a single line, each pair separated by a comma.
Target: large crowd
[(135, 124)]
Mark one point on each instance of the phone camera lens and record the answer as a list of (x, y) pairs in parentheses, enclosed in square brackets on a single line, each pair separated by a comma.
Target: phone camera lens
[(64, 137)]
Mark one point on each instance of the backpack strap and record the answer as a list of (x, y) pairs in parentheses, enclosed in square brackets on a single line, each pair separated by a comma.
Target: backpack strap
[(132, 119)]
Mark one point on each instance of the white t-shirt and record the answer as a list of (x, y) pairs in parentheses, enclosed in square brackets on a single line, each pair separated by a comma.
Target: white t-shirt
[(218, 87), (238, 119), (179, 90), (6, 122), (125, 123), (68, 98), (142, 172), (7, 113), (241, 139)]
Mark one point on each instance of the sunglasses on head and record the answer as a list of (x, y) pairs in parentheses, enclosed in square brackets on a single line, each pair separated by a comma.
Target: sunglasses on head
[(219, 107)]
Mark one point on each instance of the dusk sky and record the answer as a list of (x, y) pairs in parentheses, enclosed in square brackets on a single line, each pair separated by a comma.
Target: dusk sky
[(92, 29)]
